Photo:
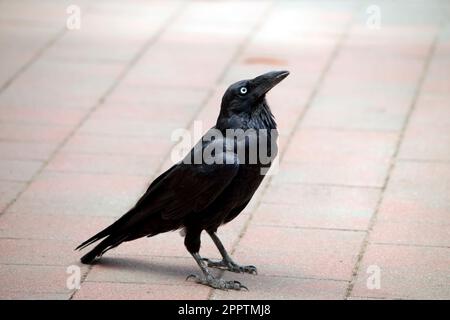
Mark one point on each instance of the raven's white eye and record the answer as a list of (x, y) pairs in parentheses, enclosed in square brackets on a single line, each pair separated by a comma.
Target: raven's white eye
[(243, 90)]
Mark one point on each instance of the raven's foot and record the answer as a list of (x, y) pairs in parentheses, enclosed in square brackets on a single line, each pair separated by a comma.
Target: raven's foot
[(217, 283), (230, 266)]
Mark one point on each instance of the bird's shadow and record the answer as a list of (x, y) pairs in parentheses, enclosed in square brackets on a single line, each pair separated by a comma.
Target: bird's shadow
[(164, 266)]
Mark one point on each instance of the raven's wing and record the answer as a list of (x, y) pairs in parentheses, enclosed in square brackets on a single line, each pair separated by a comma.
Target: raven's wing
[(187, 188), (183, 189)]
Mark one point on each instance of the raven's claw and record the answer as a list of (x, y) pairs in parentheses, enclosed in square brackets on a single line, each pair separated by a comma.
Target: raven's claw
[(217, 283), (230, 266)]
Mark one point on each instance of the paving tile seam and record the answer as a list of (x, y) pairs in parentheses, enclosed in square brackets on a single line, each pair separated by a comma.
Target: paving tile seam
[(35, 57), (111, 217), (17, 21), (23, 141), (424, 161), (96, 173), (381, 298), (331, 185), (88, 61), (34, 292), (123, 154), (37, 239), (36, 160), (373, 220), (307, 104), (344, 129), (308, 228), (140, 255), (416, 245), (84, 276), (26, 124), (195, 285), (268, 275), (13, 181), (31, 264)]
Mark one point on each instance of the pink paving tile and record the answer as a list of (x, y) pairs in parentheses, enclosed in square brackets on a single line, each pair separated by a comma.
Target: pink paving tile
[(46, 14), (36, 151), (350, 113), (344, 171), (431, 109), (40, 114), (437, 80), (360, 46), (302, 253), (196, 64), (417, 191), (138, 21), (317, 206), (365, 89), (83, 47), (37, 252), (128, 30), (264, 287), (137, 291), (34, 133), (220, 16), (157, 97), (392, 34), (160, 71), (117, 126), (60, 84), (18, 170), (25, 295), (394, 100), (80, 194), (320, 144), (415, 205), (426, 143), (412, 233), (111, 164), (117, 144), (406, 272), (74, 229), (20, 42), (150, 113), (33, 280), (9, 191), (371, 66), (358, 158), (426, 136)]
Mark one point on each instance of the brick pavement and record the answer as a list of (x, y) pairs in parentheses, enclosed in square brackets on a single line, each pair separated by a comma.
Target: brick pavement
[(86, 118)]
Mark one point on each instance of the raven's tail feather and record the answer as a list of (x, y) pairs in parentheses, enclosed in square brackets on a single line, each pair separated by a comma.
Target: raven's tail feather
[(113, 228), (105, 232), (101, 248)]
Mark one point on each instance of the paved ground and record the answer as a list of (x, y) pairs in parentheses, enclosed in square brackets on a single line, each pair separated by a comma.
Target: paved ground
[(363, 190)]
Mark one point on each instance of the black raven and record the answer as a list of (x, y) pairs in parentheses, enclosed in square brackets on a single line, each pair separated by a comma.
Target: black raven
[(211, 185)]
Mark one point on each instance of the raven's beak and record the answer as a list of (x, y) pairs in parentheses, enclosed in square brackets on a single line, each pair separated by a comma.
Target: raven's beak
[(267, 81)]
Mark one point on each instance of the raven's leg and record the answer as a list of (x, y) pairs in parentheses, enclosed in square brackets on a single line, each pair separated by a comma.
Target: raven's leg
[(226, 263), (192, 243)]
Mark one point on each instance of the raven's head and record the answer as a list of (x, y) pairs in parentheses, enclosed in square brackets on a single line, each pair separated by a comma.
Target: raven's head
[(245, 96)]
